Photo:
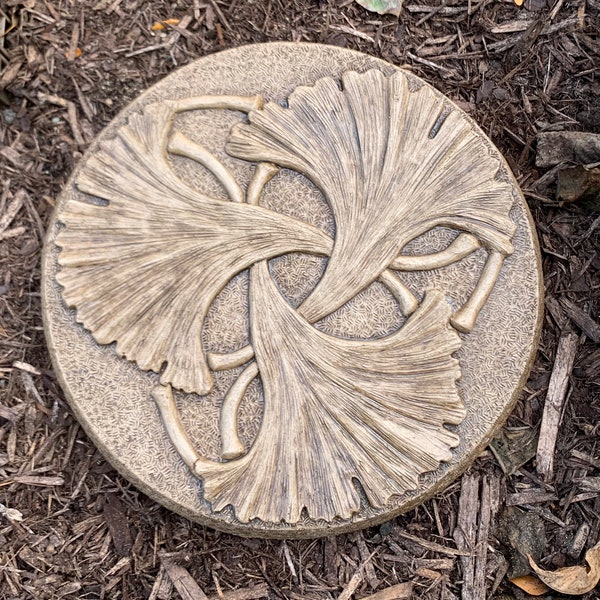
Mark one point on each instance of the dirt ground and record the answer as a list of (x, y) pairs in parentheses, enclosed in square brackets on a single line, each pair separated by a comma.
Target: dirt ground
[(68, 66)]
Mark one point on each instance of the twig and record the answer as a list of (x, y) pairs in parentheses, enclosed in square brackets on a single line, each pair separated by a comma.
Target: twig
[(428, 63), (23, 366), (465, 533), (143, 50), (248, 593), (354, 32), (433, 546), (184, 583), (288, 559), (86, 107), (489, 493), (71, 114), (399, 591), (582, 319), (352, 585), (364, 556), (557, 391), (221, 15), (11, 211)]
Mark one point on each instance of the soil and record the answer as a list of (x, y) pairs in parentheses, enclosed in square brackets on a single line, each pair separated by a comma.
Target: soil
[(67, 68)]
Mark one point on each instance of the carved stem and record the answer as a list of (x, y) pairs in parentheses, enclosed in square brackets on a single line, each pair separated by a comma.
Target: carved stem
[(464, 319), (462, 246), (182, 146), (231, 445), (222, 362), (405, 298), (241, 103), (263, 173), (163, 396)]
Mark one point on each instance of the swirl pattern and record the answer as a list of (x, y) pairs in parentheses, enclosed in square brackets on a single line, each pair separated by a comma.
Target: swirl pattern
[(344, 420)]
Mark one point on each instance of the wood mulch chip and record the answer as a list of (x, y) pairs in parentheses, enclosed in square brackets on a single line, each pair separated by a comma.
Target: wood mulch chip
[(71, 527)]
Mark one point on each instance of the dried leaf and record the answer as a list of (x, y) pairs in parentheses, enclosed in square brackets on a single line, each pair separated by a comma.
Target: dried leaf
[(383, 7), (530, 584), (10, 513), (160, 25), (78, 52), (573, 580)]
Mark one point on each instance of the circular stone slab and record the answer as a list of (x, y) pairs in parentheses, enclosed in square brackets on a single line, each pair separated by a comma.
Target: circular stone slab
[(291, 290)]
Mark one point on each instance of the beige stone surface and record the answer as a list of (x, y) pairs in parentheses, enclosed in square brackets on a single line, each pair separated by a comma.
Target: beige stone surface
[(337, 337)]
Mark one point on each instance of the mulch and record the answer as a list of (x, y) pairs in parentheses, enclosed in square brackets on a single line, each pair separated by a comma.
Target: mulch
[(66, 69)]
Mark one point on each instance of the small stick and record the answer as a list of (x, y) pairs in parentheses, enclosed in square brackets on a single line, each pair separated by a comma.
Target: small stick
[(12, 209), (486, 510), (220, 14), (590, 327), (181, 145), (465, 533), (184, 583), (142, 50), (72, 52), (71, 114), (14, 232), (557, 391)]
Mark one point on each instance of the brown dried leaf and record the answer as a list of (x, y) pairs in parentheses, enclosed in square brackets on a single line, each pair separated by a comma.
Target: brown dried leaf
[(530, 584), (160, 25), (573, 580), (77, 54)]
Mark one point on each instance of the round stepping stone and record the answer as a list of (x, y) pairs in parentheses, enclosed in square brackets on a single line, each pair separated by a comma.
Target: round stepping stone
[(291, 290)]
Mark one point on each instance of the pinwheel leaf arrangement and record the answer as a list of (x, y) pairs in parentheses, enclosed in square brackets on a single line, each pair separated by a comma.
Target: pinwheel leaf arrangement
[(143, 256)]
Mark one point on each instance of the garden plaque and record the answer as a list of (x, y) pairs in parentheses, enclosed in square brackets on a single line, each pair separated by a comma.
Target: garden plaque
[(291, 290)]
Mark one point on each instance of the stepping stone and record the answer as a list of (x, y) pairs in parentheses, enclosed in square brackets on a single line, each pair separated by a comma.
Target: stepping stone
[(291, 291)]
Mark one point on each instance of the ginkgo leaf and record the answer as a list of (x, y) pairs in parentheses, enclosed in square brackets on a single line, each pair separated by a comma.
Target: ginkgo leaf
[(143, 268), (392, 168), (573, 580), (339, 410)]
